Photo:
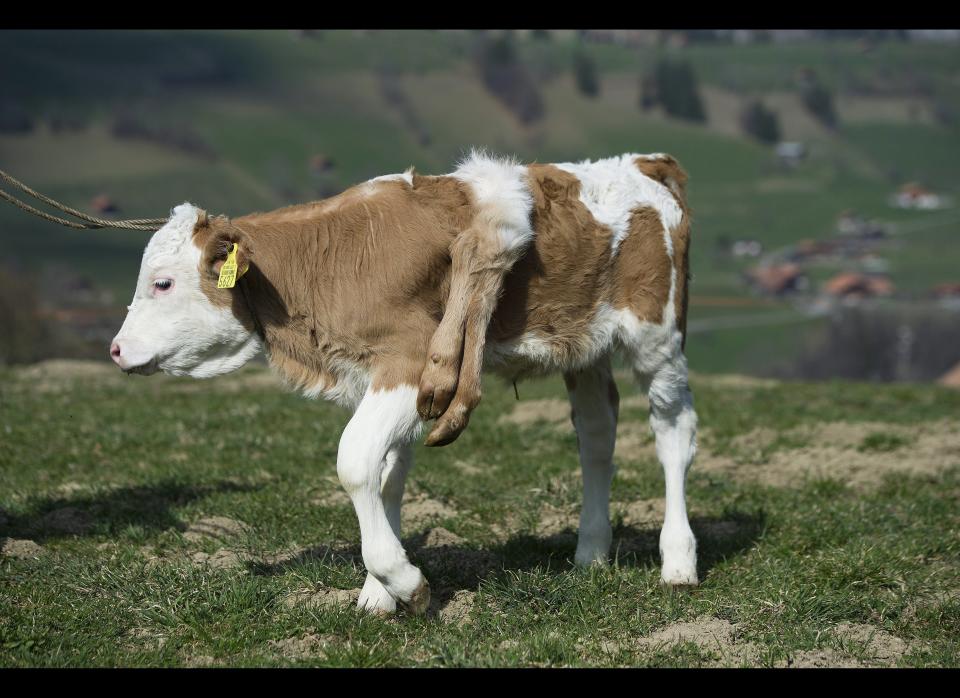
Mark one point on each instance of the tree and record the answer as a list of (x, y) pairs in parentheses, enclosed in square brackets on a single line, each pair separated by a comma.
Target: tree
[(817, 98), (760, 122), (585, 72), (507, 79), (673, 85)]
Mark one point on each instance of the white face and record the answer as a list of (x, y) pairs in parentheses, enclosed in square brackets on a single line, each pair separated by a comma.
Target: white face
[(171, 325)]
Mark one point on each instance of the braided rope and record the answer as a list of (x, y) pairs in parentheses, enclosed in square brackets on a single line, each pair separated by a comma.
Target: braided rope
[(92, 222)]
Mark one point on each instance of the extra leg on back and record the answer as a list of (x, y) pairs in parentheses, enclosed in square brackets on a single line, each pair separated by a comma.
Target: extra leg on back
[(450, 384), (674, 425), (595, 405)]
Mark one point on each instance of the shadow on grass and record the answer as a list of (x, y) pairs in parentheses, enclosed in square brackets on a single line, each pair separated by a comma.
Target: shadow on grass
[(149, 507), (450, 568)]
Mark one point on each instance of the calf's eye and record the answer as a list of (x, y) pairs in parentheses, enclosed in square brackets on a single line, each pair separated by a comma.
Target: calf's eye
[(163, 284)]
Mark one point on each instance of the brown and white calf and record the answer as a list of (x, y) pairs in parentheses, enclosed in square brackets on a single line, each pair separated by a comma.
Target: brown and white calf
[(401, 289)]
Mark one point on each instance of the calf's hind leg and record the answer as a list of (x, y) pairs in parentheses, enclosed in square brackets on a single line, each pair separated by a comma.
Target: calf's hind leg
[(595, 404), (674, 425)]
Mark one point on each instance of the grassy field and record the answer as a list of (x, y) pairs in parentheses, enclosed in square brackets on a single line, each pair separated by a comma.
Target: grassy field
[(169, 522)]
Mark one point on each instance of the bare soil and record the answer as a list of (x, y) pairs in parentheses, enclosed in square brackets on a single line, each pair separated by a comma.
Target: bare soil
[(19, 549), (322, 598), (220, 528)]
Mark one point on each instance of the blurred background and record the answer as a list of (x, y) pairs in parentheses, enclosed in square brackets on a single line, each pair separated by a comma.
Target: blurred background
[(824, 165)]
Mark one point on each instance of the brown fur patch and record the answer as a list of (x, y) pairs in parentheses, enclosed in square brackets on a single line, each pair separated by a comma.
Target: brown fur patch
[(668, 172), (644, 268), (554, 289), (358, 279)]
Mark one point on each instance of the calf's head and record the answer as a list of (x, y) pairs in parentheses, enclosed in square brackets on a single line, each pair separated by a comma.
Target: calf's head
[(179, 322)]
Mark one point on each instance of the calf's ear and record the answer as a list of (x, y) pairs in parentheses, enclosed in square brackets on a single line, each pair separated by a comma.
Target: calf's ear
[(221, 236)]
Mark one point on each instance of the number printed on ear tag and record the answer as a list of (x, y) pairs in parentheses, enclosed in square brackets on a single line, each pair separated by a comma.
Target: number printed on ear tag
[(228, 272)]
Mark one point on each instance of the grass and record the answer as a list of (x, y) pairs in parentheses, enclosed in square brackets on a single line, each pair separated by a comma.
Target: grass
[(107, 473)]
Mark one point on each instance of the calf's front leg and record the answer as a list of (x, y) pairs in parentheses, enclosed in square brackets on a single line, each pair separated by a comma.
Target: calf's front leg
[(374, 596), (386, 421)]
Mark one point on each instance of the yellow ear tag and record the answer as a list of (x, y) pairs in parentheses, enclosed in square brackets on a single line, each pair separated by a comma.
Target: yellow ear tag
[(228, 272)]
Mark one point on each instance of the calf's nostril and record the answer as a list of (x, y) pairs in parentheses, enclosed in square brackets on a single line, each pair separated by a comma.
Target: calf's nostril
[(115, 351)]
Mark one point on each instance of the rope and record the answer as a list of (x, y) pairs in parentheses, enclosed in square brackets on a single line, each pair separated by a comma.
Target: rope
[(92, 222)]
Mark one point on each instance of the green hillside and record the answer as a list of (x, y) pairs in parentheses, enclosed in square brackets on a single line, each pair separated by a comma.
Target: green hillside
[(255, 107)]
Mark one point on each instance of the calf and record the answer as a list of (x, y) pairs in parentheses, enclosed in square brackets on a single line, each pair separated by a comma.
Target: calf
[(385, 298)]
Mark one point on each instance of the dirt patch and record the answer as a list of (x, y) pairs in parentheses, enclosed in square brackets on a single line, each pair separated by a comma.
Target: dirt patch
[(711, 634), (441, 538), (457, 610), (553, 411), (322, 598), (635, 442), (820, 659), (304, 647), (222, 559), (835, 450), (215, 528), (66, 521), (200, 660), (642, 513), (860, 645), (558, 519), (19, 549), (857, 645), (419, 509), (880, 645)]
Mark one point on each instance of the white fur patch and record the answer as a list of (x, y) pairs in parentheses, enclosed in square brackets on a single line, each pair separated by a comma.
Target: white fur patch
[(613, 187), (502, 191), (352, 382)]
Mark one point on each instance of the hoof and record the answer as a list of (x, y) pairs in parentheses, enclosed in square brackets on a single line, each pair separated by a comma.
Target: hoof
[(438, 385), (418, 603), (446, 431), (433, 401)]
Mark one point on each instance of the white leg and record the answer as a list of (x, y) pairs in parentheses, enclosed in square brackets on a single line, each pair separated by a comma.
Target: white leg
[(383, 421), (674, 424), (595, 406), (374, 596)]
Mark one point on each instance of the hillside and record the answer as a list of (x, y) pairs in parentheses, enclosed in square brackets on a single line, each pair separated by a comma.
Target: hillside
[(233, 120)]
